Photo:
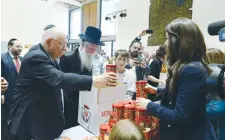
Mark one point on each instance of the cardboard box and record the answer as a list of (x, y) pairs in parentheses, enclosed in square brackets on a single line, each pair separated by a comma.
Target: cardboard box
[(95, 106)]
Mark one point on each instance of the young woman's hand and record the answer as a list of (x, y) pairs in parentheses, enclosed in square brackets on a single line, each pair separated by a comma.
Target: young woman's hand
[(142, 102)]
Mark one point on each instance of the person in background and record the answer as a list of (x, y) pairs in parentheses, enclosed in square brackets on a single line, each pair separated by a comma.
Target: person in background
[(216, 108), (155, 69), (37, 110), (80, 61), (215, 56), (126, 130), (98, 64), (106, 61), (137, 64), (144, 53), (182, 111), (156, 65), (10, 67), (124, 75)]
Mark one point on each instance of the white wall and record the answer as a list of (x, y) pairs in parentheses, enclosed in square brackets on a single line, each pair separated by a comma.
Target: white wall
[(204, 12), (137, 20), (25, 19)]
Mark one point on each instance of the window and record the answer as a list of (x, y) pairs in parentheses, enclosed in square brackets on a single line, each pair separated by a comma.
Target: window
[(75, 23), (109, 48)]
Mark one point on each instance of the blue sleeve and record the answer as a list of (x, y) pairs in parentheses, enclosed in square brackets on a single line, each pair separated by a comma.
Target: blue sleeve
[(215, 109), (146, 71), (160, 90), (189, 91)]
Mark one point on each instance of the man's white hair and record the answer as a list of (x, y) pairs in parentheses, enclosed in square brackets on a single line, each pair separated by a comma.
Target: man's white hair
[(52, 33)]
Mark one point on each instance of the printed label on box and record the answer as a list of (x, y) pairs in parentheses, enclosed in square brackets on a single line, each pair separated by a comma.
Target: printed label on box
[(85, 115)]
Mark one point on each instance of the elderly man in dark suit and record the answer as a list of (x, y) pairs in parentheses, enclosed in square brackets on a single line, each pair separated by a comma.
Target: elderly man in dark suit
[(37, 106), (79, 61), (10, 67)]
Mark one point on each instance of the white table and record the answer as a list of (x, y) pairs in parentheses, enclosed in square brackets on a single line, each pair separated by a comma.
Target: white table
[(75, 133)]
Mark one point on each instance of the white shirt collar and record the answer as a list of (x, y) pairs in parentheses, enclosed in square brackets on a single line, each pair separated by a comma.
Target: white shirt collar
[(11, 55)]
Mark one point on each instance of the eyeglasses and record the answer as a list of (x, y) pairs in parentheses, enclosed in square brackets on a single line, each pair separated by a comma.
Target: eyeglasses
[(60, 43)]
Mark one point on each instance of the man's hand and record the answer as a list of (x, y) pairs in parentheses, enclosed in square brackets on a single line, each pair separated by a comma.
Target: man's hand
[(3, 99), (142, 33), (144, 64), (142, 102), (4, 85), (135, 62), (105, 80)]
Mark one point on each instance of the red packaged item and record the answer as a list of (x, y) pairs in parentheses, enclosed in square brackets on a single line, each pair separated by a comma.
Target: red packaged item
[(140, 89), (141, 118), (124, 102), (103, 131), (133, 102), (146, 133), (129, 112), (111, 68), (112, 121), (154, 122), (117, 111)]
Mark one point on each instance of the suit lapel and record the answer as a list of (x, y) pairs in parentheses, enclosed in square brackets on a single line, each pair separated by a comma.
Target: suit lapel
[(57, 89), (57, 65), (11, 61)]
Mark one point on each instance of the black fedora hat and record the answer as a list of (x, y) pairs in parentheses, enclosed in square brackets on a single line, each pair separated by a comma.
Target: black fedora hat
[(92, 35)]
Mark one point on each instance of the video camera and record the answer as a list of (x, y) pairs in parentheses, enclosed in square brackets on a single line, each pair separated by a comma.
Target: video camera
[(217, 28), (216, 81)]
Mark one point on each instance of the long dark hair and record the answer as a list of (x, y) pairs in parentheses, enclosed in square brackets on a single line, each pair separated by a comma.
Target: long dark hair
[(185, 44)]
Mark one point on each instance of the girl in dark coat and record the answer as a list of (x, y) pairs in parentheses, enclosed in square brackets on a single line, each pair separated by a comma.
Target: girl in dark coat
[(182, 111)]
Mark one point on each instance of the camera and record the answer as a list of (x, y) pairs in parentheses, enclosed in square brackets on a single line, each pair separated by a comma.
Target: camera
[(222, 34), (217, 28)]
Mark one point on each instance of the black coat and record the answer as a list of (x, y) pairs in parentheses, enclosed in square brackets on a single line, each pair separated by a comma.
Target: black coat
[(71, 63), (9, 72), (182, 114), (155, 69), (37, 104)]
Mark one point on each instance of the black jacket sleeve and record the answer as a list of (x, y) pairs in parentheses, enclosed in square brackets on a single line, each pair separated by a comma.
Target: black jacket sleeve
[(64, 64), (154, 68), (42, 68)]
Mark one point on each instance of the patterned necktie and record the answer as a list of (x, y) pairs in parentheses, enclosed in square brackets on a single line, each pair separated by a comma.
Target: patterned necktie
[(17, 63)]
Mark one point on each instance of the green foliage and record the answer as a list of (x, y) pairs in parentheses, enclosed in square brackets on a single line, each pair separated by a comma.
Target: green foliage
[(163, 12)]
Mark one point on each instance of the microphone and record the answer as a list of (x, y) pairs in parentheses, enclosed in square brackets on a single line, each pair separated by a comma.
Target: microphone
[(215, 27)]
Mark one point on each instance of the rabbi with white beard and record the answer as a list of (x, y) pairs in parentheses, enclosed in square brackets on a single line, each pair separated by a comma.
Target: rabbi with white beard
[(79, 61)]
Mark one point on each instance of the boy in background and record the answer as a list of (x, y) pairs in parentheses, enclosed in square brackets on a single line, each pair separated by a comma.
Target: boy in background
[(124, 75)]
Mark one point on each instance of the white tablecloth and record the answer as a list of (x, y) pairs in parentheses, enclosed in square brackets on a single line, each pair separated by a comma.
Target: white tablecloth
[(75, 133)]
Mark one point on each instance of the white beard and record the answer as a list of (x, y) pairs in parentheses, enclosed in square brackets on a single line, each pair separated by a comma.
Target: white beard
[(86, 60)]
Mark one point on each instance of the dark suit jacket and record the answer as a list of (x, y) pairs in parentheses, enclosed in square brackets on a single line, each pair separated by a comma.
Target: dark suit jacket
[(37, 105), (71, 63), (9, 72), (183, 114), (155, 69)]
